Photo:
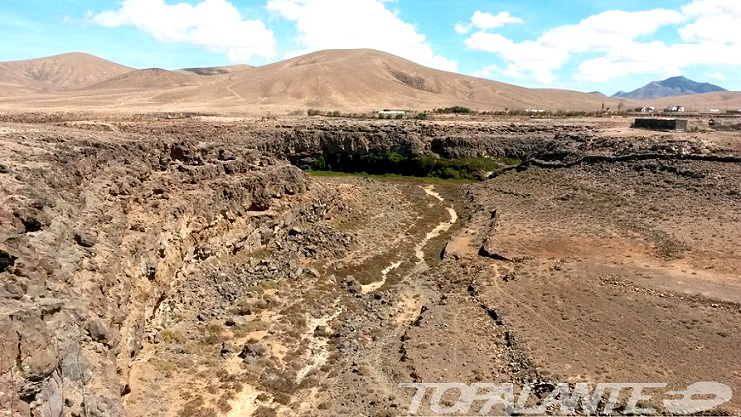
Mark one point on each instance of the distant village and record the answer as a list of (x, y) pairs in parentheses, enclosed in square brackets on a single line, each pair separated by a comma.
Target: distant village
[(678, 109)]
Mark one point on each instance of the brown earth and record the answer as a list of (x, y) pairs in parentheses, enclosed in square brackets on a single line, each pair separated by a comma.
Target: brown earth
[(164, 266), (56, 73), (354, 80), (358, 80)]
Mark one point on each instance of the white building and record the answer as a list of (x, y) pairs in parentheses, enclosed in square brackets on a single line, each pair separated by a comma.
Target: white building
[(674, 109)]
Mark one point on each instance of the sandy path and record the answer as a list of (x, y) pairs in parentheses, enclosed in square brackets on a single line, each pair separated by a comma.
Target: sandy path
[(229, 87), (318, 352), (418, 249)]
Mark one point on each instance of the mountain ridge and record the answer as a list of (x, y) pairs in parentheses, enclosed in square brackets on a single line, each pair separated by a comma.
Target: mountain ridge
[(61, 72), (350, 80), (672, 86)]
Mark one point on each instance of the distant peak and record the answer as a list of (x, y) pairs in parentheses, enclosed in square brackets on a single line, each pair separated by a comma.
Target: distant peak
[(678, 78), (672, 86)]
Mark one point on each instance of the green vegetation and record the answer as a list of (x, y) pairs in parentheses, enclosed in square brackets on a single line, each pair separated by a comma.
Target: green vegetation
[(455, 110), (173, 336), (388, 177), (426, 166)]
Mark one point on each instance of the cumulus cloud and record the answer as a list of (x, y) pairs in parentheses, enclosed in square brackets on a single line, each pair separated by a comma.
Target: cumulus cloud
[(346, 24), (717, 76), (215, 25), (484, 20), (715, 21), (615, 37), (554, 48)]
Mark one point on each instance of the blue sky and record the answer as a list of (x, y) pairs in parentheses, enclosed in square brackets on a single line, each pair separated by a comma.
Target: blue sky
[(577, 44)]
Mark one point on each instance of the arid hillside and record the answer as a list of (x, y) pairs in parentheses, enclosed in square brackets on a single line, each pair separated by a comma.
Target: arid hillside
[(354, 80), (56, 73)]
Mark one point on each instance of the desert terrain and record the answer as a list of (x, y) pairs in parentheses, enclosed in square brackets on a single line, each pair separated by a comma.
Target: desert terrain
[(349, 81), (185, 264), (257, 241)]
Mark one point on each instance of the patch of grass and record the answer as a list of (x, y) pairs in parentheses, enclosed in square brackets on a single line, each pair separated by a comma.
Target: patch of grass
[(393, 164), (242, 257), (162, 365), (173, 336), (241, 331), (268, 284), (392, 177), (214, 334), (197, 408)]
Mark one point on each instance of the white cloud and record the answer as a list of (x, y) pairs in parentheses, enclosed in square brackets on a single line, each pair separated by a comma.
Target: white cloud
[(614, 36), (716, 21), (215, 25), (658, 58), (484, 20), (717, 76), (347, 24), (598, 70)]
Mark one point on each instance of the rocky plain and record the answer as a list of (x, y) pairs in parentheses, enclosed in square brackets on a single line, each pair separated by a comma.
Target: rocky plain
[(187, 265)]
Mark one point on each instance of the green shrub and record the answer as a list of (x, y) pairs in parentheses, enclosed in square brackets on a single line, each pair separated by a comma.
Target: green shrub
[(455, 110)]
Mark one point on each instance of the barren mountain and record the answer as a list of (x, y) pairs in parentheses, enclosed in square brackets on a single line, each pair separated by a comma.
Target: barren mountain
[(347, 80), (56, 73), (366, 79), (673, 86)]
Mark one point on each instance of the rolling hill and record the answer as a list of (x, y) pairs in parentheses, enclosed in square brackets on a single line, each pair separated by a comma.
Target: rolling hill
[(363, 79), (355, 80), (673, 86), (56, 73)]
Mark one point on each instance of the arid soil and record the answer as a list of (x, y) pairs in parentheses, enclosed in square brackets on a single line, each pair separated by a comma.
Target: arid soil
[(182, 265)]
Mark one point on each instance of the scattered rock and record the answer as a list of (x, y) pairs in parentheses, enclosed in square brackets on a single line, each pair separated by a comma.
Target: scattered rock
[(227, 349), (15, 290), (39, 366), (6, 260), (322, 331), (352, 285), (98, 331), (251, 351), (85, 239), (313, 272)]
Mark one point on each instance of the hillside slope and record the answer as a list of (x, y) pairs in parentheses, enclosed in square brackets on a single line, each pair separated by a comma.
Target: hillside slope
[(365, 79), (56, 73), (356, 80)]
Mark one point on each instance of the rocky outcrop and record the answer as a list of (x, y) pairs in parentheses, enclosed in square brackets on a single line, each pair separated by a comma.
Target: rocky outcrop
[(93, 233)]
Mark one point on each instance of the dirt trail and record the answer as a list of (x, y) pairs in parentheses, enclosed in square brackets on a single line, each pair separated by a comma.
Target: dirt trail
[(419, 248), (317, 350), (229, 88)]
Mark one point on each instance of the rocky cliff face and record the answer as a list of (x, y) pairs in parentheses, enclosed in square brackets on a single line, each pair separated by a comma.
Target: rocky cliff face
[(94, 232)]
